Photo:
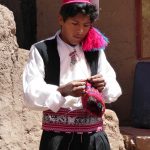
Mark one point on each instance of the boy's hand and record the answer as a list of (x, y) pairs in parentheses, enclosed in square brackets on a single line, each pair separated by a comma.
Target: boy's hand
[(97, 81), (74, 88)]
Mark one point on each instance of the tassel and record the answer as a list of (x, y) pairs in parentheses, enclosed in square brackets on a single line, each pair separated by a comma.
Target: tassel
[(94, 41)]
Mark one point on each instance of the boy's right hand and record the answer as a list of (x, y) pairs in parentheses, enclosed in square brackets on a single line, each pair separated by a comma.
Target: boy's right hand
[(74, 88)]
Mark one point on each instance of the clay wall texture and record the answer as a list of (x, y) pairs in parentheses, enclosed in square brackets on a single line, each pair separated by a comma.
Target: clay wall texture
[(145, 28), (24, 12)]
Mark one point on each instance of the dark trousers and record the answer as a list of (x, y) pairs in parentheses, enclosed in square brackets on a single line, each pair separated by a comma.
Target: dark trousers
[(73, 141)]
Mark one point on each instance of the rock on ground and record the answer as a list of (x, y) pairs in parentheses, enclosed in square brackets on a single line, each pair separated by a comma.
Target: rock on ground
[(111, 127)]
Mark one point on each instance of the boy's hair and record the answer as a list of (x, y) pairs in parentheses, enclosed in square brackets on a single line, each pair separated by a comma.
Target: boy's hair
[(71, 10)]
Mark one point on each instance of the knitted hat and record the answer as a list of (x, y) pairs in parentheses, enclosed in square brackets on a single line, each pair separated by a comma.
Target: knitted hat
[(93, 101), (75, 1), (93, 2)]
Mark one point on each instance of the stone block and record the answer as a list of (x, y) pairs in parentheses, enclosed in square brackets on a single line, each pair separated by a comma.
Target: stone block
[(136, 139)]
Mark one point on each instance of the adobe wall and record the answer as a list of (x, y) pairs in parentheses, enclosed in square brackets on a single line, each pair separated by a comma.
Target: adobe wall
[(117, 21), (25, 18)]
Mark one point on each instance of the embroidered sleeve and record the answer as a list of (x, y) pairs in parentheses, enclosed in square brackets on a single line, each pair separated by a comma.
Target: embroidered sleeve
[(37, 94)]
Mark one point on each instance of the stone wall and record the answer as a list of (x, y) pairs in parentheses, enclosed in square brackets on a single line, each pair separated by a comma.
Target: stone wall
[(136, 139)]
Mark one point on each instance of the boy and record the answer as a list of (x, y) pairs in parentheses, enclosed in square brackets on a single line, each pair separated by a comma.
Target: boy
[(55, 78)]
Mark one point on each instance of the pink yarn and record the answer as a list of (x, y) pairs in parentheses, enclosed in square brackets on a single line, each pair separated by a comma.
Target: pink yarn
[(93, 101), (94, 41)]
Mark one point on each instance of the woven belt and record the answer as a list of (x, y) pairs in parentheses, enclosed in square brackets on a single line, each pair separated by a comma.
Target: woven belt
[(71, 121)]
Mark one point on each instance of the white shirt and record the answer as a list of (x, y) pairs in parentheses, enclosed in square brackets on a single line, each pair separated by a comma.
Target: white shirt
[(39, 95)]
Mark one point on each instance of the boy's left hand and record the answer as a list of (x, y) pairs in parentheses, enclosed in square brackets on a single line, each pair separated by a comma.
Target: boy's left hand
[(98, 82)]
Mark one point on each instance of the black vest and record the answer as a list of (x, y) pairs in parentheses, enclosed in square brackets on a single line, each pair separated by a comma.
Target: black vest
[(49, 53)]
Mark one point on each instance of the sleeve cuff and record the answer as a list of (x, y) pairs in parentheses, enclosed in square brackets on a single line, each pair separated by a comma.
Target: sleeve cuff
[(57, 102)]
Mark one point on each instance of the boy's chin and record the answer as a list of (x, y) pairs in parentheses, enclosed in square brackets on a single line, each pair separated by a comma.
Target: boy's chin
[(75, 43)]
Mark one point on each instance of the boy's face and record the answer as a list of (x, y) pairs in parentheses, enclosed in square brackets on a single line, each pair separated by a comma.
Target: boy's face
[(74, 29)]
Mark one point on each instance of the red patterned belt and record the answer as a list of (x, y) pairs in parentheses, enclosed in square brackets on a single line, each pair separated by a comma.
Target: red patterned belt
[(71, 121)]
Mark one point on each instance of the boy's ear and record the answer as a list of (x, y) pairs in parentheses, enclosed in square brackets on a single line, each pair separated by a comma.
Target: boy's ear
[(60, 20)]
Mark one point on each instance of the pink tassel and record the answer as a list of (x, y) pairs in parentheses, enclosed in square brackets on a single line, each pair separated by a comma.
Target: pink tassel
[(94, 41)]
